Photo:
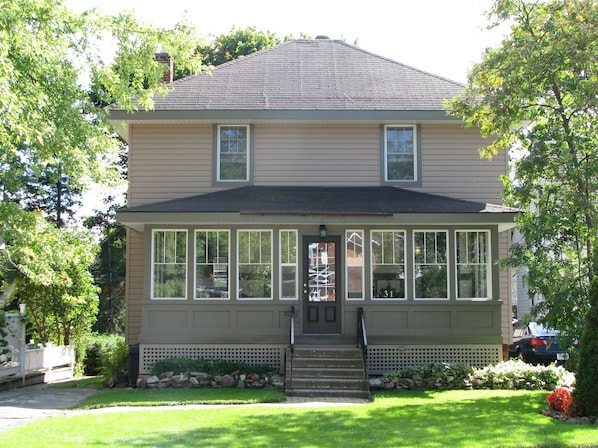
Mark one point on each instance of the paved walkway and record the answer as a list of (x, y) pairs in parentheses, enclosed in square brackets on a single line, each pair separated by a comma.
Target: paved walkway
[(24, 405)]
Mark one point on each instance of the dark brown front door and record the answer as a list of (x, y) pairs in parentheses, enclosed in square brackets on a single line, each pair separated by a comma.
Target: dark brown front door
[(321, 298)]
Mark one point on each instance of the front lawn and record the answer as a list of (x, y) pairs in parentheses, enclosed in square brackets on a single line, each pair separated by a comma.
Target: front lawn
[(476, 418)]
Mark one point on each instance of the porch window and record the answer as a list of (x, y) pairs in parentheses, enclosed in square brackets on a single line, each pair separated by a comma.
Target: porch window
[(400, 154), (211, 264), (388, 264), (354, 261), (288, 264), (431, 271), (473, 264), (169, 264), (233, 154), (255, 264)]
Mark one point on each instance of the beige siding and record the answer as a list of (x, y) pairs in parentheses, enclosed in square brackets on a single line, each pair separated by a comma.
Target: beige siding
[(167, 162), (452, 165), (317, 155), (134, 285), (505, 289)]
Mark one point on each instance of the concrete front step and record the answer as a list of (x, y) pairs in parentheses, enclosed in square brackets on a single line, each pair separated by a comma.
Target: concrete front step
[(341, 393), (326, 371)]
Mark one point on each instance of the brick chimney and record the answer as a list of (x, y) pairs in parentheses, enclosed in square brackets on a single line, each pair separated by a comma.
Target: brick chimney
[(166, 59)]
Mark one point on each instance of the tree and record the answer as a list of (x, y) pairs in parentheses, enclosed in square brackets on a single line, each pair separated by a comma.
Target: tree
[(55, 140), (536, 95), (236, 44), (49, 268)]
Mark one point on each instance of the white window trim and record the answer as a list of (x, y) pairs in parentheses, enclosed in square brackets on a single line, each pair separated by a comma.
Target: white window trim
[(281, 265), (195, 266), (271, 265), (415, 154), (248, 162), (347, 265), (405, 268), (488, 264), (153, 263), (448, 266)]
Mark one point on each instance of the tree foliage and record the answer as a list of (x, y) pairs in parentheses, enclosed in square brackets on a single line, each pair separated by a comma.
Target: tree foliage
[(536, 95), (236, 44), (49, 268), (55, 141)]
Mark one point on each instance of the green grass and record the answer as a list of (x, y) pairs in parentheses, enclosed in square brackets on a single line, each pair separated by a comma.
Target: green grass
[(480, 418)]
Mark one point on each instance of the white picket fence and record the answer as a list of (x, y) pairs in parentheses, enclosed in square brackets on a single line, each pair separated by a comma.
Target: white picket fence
[(21, 361)]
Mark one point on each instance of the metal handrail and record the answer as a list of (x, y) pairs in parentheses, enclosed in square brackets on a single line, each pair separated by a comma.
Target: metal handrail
[(292, 345), (362, 340)]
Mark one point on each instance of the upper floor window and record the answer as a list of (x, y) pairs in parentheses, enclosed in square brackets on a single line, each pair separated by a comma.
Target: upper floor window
[(400, 154), (473, 264), (211, 264), (431, 269), (169, 264), (255, 264), (233, 154)]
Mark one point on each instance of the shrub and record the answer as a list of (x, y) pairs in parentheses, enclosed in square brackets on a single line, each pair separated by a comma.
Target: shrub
[(106, 355), (211, 367), (512, 374), (561, 400)]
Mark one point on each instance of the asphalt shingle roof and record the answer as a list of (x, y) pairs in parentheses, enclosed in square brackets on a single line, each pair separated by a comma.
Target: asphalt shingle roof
[(318, 200), (321, 74)]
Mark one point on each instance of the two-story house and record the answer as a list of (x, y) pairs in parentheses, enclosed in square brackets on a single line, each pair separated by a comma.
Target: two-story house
[(317, 176)]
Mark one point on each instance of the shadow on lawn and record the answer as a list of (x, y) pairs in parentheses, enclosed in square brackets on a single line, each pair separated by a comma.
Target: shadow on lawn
[(514, 421)]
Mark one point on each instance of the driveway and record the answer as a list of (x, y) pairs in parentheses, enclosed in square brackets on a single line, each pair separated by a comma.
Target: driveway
[(23, 405)]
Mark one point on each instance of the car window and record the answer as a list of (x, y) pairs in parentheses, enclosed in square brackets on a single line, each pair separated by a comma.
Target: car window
[(540, 330)]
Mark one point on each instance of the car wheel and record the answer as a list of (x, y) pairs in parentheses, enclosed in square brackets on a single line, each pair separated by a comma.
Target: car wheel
[(520, 356)]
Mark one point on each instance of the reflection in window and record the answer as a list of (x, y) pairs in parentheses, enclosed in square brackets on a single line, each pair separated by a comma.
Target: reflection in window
[(399, 153), (169, 264), (473, 265), (388, 264), (288, 264), (255, 264), (354, 254), (233, 153), (211, 264), (431, 279)]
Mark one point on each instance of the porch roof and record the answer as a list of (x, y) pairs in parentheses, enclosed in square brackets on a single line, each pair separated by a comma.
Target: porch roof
[(318, 201)]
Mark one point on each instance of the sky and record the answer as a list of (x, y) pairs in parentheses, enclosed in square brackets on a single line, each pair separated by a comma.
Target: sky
[(443, 37)]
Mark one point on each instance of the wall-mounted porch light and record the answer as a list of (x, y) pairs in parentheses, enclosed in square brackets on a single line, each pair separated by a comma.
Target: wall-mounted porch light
[(323, 231)]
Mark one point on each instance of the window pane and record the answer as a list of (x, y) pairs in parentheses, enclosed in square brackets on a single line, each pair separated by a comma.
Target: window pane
[(211, 266), (255, 268), (288, 264), (430, 275), (355, 264), (234, 148), (388, 264), (169, 270), (473, 265), (400, 153)]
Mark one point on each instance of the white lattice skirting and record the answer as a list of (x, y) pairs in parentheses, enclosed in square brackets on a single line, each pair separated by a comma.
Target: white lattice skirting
[(385, 359), (272, 355), (381, 358)]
